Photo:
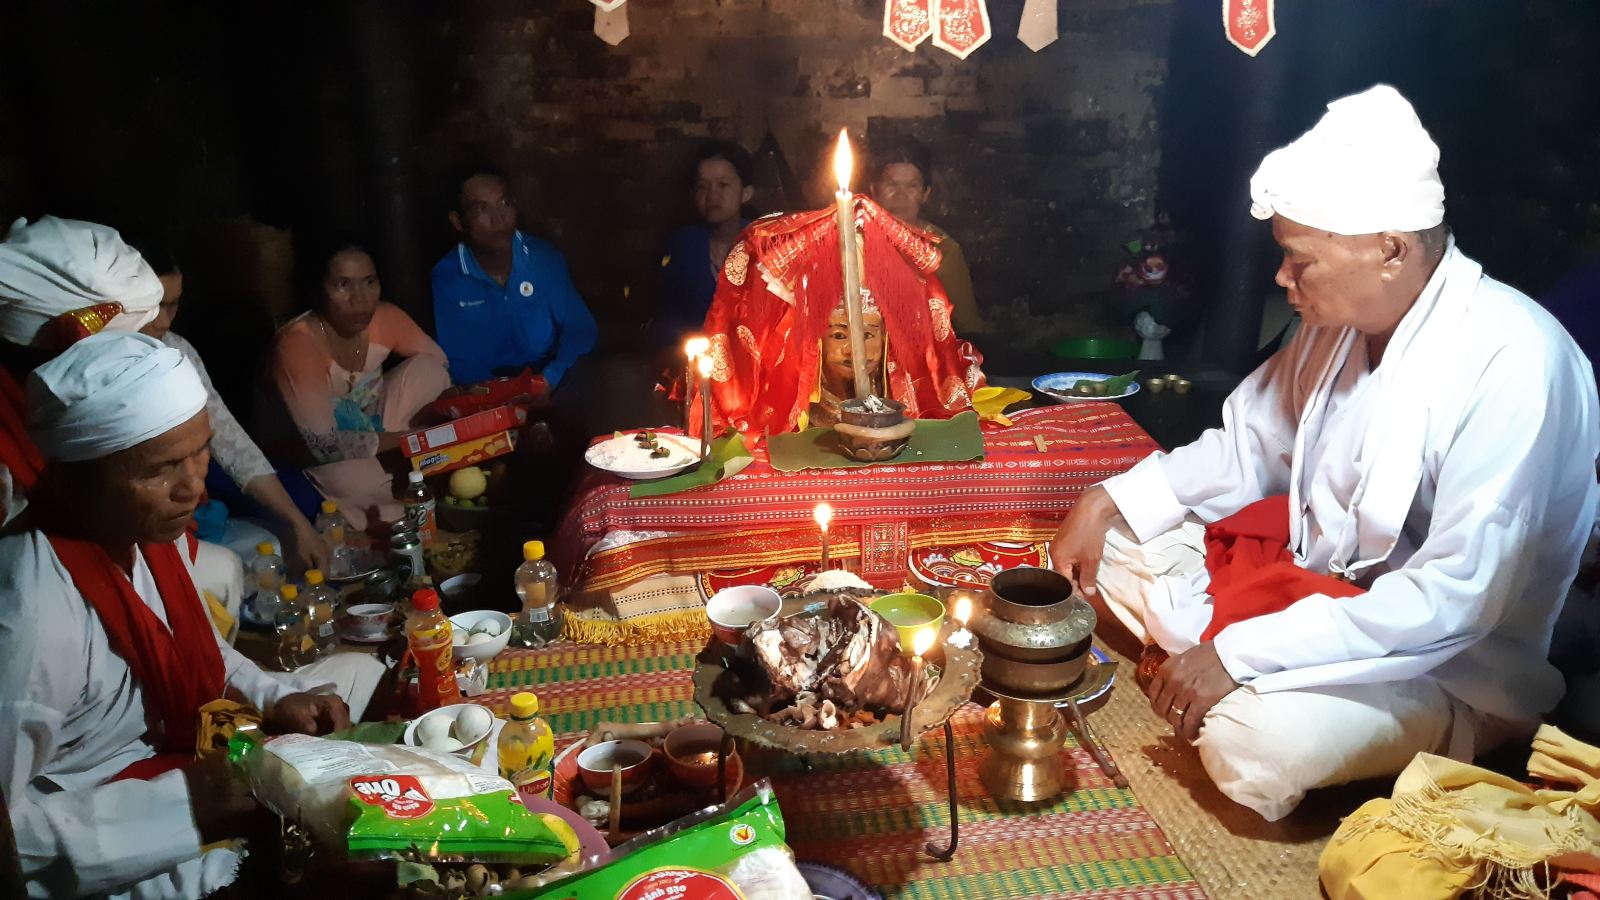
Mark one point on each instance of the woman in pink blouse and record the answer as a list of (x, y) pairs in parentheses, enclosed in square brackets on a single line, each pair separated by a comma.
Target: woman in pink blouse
[(329, 366)]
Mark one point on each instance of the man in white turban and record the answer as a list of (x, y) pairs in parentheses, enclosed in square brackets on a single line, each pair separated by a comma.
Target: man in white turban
[(1365, 561), (62, 279), (106, 650)]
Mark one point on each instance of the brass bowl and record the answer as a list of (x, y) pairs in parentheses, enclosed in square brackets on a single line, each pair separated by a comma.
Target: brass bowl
[(1032, 615), (1034, 677), (854, 412)]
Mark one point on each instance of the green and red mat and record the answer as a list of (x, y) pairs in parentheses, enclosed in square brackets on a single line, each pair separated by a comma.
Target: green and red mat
[(871, 813)]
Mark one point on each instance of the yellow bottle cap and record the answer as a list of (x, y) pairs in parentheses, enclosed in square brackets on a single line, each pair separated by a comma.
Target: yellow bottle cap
[(313, 576), (290, 592), (533, 550), (330, 507), (264, 548), (524, 705)]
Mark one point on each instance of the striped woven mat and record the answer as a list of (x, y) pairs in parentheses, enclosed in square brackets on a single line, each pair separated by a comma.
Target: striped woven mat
[(871, 813)]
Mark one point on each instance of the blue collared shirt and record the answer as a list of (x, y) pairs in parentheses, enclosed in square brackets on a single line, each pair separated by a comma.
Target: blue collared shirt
[(536, 319)]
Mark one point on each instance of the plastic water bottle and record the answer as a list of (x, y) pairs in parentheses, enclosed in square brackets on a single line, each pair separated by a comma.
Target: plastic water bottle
[(421, 508), (321, 601), (294, 645), (537, 586), (267, 571), (335, 529), (526, 748), (428, 634)]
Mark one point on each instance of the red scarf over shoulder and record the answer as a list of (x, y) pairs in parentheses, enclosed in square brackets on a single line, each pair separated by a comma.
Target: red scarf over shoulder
[(18, 452), (178, 664)]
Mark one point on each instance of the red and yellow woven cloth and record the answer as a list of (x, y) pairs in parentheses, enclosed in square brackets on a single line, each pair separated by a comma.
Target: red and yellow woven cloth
[(640, 568)]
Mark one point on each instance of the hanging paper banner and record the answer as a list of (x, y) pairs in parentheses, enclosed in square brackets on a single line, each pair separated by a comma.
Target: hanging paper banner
[(1038, 27), (608, 5), (908, 22), (962, 26), (611, 21), (1249, 24)]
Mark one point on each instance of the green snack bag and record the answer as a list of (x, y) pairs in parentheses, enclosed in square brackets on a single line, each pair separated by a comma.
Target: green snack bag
[(730, 852)]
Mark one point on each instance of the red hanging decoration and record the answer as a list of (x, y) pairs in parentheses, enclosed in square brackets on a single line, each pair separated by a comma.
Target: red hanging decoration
[(1249, 24), (963, 26), (908, 22)]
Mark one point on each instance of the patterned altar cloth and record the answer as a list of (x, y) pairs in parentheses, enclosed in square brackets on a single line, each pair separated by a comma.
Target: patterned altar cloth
[(642, 568)]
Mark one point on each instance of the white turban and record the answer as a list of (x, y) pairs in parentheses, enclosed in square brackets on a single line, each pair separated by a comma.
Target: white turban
[(58, 265), (109, 392), (1368, 166)]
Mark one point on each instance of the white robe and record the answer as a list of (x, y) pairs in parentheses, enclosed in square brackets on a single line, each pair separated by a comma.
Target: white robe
[(1456, 481), (71, 717)]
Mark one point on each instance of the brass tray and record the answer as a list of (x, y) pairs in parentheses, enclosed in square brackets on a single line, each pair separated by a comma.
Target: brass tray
[(959, 676)]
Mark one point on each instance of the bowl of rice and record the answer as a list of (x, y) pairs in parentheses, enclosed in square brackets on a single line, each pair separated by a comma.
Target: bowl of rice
[(643, 455)]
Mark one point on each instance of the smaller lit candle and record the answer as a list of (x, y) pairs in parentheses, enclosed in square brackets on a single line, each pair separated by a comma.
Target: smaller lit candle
[(823, 514), (703, 365), (693, 349), (962, 611), (921, 644)]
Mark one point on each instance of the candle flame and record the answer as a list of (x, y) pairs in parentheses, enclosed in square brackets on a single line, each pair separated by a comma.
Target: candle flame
[(963, 609), (922, 642), (843, 161), (823, 514), (696, 347), (703, 365)]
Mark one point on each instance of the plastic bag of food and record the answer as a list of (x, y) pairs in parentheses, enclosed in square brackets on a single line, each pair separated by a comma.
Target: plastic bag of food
[(720, 853), (388, 800)]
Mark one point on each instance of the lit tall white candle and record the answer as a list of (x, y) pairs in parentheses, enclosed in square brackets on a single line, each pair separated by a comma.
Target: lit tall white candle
[(824, 515), (703, 366), (693, 349), (844, 200), (921, 644)]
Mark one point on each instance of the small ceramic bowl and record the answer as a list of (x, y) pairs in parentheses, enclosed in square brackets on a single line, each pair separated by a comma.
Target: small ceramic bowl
[(484, 650), (367, 623), (910, 613), (1181, 386), (460, 588), (734, 609), (451, 713), (691, 752), (635, 758), (1155, 385)]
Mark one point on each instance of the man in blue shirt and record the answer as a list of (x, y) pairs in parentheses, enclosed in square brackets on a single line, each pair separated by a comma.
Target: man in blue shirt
[(503, 300)]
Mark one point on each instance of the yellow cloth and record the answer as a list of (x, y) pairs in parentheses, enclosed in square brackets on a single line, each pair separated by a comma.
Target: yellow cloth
[(220, 617), (990, 402), (1450, 827)]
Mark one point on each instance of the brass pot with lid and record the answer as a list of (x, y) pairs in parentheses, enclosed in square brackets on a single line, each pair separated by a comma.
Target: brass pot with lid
[(1035, 631)]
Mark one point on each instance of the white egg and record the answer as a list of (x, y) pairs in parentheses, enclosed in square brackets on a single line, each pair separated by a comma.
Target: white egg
[(480, 638), (431, 728), (446, 744), (458, 638), (472, 723), (487, 626)]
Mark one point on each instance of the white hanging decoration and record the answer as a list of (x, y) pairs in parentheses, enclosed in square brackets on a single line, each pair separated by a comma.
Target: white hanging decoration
[(1038, 28), (611, 20)]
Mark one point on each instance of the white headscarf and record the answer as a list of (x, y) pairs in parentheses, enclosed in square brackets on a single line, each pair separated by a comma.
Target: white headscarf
[(1368, 166), (58, 265), (109, 392)]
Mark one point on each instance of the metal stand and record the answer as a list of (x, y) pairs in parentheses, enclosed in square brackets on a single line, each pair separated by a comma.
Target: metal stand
[(931, 848)]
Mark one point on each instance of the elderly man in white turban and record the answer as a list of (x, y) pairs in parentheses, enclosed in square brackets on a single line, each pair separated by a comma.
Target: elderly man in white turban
[(1365, 561), (61, 279), (106, 651)]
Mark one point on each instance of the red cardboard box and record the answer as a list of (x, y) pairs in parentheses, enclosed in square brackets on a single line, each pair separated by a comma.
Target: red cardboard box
[(465, 441)]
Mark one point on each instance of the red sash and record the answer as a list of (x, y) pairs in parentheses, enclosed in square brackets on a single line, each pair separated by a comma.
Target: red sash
[(1252, 571), (178, 665), (18, 452)]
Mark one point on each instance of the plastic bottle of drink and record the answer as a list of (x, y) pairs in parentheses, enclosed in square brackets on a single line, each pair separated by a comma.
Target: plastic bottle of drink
[(540, 622), (294, 645), (527, 748), (428, 633), (421, 508), (333, 527), (267, 571), (321, 601)]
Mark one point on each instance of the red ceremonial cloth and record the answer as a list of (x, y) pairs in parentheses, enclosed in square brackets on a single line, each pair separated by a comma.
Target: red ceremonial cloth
[(178, 664), (1252, 571), (766, 349), (18, 452)]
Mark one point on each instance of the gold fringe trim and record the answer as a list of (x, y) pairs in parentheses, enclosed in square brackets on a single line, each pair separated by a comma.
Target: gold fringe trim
[(684, 625), (1506, 871)]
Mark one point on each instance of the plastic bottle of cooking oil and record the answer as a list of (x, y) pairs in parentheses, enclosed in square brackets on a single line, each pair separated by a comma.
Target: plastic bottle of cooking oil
[(294, 645), (527, 748), (538, 587), (321, 601)]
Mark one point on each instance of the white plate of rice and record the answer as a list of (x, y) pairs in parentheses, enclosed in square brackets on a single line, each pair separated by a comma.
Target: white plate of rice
[(622, 455)]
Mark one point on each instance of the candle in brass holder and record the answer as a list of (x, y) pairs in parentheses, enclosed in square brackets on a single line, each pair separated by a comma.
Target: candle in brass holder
[(823, 515), (703, 366), (693, 349)]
